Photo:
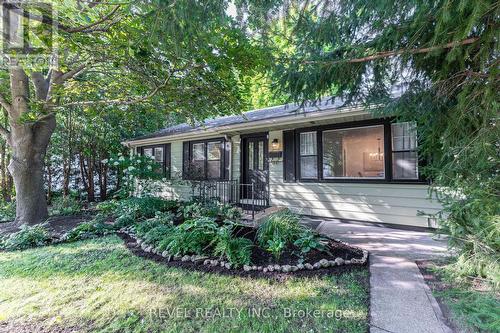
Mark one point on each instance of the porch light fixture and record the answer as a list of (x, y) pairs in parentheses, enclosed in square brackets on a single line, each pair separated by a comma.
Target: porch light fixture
[(275, 145)]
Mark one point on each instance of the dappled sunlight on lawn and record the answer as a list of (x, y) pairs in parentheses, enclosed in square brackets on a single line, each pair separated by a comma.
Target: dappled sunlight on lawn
[(101, 284)]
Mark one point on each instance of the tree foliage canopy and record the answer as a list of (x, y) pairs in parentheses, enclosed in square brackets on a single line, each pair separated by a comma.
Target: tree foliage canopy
[(442, 55)]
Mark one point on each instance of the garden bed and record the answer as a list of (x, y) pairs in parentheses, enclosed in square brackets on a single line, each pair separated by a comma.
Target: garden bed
[(262, 259)]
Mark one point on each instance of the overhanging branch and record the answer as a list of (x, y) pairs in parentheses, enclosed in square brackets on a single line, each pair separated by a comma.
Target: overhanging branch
[(386, 54)]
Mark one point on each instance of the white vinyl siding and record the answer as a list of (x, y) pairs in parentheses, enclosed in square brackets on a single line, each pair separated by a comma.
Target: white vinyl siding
[(385, 203)]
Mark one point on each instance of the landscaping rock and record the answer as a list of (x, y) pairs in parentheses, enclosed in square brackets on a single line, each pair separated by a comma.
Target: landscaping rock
[(332, 263), (227, 265), (286, 268), (198, 258), (164, 254), (264, 269), (324, 263), (270, 268), (214, 262), (177, 257), (347, 262), (339, 261), (207, 262), (259, 268), (294, 268), (254, 268), (317, 265), (308, 266), (300, 266), (246, 268), (222, 264), (277, 267), (186, 258)]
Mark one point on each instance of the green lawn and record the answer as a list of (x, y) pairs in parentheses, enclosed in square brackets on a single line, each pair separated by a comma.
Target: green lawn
[(99, 286)]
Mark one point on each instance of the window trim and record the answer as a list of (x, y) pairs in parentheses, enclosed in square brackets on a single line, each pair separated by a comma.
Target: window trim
[(386, 122), (222, 159), (316, 155), (166, 156)]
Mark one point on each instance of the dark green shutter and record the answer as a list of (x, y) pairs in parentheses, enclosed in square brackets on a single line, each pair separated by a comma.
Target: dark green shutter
[(185, 160), (289, 169)]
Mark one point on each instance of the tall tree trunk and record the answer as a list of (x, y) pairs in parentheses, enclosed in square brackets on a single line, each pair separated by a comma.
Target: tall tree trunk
[(28, 141)]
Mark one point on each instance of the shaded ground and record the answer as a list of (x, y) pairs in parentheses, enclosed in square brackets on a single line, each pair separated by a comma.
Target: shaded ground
[(98, 285), (56, 224), (468, 308)]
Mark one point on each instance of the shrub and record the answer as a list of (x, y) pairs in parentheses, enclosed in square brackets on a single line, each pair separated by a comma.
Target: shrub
[(161, 218), (236, 250), (214, 209), (66, 205), (283, 225), (28, 236), (309, 240), (192, 236), (156, 234), (123, 221), (139, 208), (90, 229), (7, 211)]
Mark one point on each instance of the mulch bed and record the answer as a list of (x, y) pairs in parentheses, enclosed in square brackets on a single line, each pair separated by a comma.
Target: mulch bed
[(261, 258), (57, 225)]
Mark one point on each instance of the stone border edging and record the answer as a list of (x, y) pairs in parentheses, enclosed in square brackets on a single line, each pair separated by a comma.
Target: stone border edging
[(323, 263)]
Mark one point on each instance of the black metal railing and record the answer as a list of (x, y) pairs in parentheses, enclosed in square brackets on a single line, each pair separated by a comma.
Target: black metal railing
[(250, 198)]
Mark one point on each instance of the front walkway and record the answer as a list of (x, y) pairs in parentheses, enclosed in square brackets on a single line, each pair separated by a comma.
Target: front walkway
[(400, 301)]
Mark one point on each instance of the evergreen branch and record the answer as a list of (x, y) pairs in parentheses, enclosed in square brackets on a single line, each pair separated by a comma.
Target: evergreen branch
[(386, 54)]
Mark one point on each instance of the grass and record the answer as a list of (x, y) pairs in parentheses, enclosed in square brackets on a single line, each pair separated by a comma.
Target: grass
[(98, 285), (474, 308)]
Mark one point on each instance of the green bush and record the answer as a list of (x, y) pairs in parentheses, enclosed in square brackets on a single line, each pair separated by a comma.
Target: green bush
[(156, 234), (192, 236), (90, 229), (28, 236), (141, 228), (214, 209), (278, 231), (7, 211), (309, 240), (66, 205), (123, 221), (236, 250)]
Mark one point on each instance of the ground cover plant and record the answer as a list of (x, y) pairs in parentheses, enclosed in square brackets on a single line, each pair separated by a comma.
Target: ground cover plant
[(472, 305), (97, 285)]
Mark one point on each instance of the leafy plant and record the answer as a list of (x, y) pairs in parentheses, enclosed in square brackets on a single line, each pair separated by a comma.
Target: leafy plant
[(123, 221), (192, 236), (7, 211), (90, 229), (28, 236), (309, 240), (276, 246), (156, 234), (237, 250), (279, 230), (66, 205)]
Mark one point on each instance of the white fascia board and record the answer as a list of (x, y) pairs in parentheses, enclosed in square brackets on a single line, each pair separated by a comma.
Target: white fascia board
[(254, 125)]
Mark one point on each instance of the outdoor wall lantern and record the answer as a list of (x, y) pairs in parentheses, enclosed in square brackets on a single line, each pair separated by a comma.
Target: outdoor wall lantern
[(275, 154), (275, 145)]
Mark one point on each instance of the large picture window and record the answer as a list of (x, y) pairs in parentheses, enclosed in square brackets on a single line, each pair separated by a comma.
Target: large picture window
[(206, 159), (372, 151), (354, 153)]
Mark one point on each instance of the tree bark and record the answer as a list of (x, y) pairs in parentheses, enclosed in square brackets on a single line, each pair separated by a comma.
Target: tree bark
[(28, 141)]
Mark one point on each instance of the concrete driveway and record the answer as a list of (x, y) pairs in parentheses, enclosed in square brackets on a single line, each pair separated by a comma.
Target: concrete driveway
[(400, 301)]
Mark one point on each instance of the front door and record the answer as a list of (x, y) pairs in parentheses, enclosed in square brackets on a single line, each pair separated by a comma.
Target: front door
[(255, 168)]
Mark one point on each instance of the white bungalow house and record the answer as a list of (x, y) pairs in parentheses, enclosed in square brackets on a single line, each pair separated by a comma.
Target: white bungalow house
[(322, 160)]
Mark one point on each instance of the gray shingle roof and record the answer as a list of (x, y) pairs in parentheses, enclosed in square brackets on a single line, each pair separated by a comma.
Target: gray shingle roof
[(274, 112), (248, 117)]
